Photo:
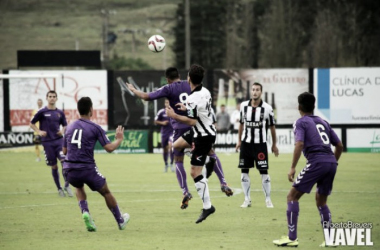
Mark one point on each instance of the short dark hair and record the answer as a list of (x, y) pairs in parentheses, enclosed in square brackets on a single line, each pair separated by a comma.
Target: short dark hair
[(196, 74), (306, 102), (51, 92), (172, 73), (258, 84), (84, 105)]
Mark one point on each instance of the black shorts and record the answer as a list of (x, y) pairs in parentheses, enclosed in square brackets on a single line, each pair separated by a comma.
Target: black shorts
[(251, 154), (202, 147), (37, 139), (189, 137)]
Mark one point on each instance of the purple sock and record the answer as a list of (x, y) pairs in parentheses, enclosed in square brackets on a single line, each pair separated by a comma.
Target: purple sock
[(181, 177), (218, 170), (292, 214), (324, 211), (55, 174), (171, 156), (116, 213), (165, 155), (83, 206)]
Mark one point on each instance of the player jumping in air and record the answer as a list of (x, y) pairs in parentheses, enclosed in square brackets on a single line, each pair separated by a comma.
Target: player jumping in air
[(198, 105), (177, 91)]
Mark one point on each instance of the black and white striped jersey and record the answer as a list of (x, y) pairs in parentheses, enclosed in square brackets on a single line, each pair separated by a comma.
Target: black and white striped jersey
[(198, 106), (255, 120)]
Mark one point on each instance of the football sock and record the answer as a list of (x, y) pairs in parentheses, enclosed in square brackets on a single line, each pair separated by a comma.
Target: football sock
[(265, 179), (83, 206), (218, 170), (55, 174), (165, 155), (292, 214), (203, 192), (324, 211), (246, 185), (171, 156), (181, 177), (116, 213)]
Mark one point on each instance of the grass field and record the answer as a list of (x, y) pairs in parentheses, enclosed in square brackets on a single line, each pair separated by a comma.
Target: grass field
[(34, 217)]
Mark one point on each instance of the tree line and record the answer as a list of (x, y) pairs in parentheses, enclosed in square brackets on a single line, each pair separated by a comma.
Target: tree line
[(280, 33)]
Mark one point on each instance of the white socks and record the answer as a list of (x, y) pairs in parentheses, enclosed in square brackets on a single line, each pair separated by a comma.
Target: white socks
[(203, 192), (246, 185), (265, 178)]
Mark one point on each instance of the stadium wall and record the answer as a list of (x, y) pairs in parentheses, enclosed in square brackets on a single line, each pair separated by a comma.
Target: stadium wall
[(346, 97)]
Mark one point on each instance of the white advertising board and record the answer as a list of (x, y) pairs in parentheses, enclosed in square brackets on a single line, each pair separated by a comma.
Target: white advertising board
[(348, 95), (282, 87), (363, 140), (70, 87)]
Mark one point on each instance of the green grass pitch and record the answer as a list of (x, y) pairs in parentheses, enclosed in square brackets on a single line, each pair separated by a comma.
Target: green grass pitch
[(32, 215)]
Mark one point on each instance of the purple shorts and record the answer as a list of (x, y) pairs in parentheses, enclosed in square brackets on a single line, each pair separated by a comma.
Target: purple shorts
[(89, 176), (177, 134), (165, 139), (53, 151), (322, 173)]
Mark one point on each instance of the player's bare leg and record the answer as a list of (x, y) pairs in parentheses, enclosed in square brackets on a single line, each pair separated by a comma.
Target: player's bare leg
[(112, 205)]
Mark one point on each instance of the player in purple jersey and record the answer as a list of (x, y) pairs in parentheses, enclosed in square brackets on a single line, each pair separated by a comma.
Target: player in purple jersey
[(177, 91), (80, 167), (166, 131), (198, 116), (50, 121), (313, 136)]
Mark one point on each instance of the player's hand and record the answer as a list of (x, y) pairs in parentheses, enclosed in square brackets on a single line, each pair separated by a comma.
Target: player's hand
[(237, 148), (291, 173), (131, 87), (165, 123), (42, 133), (60, 133), (169, 112), (181, 106), (119, 133), (275, 150)]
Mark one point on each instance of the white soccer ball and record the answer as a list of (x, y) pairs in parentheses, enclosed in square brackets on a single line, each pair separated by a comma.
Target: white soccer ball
[(156, 43)]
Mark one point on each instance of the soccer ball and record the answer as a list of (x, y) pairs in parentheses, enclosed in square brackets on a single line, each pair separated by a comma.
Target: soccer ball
[(156, 43)]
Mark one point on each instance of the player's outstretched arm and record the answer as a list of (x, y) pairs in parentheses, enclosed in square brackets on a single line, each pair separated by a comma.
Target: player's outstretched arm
[(138, 93), (119, 136)]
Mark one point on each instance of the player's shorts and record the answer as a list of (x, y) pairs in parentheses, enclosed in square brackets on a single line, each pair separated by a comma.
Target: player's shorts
[(89, 176), (189, 137), (251, 154), (202, 147), (53, 151), (322, 173), (177, 133), (165, 139), (37, 139)]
